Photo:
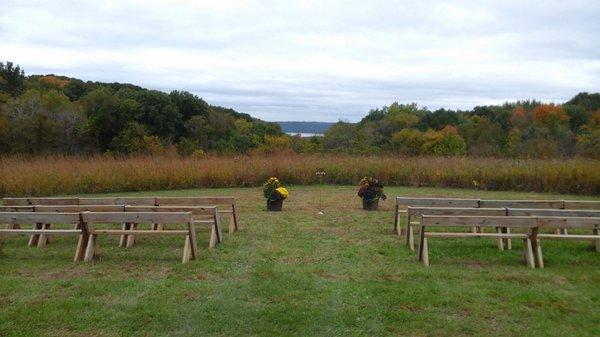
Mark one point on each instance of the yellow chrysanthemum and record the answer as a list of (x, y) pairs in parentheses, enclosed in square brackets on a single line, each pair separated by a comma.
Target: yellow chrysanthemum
[(283, 192)]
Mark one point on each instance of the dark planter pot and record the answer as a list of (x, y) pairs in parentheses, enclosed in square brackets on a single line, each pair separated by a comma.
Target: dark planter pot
[(370, 206), (275, 206)]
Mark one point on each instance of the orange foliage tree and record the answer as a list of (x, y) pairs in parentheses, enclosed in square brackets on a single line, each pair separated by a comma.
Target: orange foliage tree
[(549, 114)]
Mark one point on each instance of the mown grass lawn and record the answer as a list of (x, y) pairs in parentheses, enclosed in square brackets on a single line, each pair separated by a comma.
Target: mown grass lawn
[(297, 273)]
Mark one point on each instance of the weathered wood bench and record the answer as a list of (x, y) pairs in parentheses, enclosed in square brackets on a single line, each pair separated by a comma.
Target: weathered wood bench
[(91, 219), (528, 223), (206, 215), (414, 213), (202, 215), (43, 240), (554, 222), (226, 206), (477, 203), (425, 202), (41, 226)]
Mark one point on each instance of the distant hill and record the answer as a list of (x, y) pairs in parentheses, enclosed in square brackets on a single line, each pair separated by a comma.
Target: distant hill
[(305, 127)]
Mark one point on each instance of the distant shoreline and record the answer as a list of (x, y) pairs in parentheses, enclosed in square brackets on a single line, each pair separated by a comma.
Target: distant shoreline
[(305, 134), (296, 127)]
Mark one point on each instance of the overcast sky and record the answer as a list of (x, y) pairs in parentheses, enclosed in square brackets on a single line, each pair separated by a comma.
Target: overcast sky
[(316, 60)]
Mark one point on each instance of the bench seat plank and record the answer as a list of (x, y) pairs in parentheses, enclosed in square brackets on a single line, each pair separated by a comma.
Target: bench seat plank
[(466, 235), (138, 232)]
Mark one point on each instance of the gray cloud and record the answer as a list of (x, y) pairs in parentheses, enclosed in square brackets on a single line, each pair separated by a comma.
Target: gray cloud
[(321, 60)]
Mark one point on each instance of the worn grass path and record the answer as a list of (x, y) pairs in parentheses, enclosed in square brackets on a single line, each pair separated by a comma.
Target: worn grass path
[(300, 274)]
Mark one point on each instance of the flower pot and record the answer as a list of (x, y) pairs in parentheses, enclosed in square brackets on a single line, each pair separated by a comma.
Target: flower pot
[(275, 206), (370, 206)]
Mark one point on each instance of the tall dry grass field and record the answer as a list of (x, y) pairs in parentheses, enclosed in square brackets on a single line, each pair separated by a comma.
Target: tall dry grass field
[(57, 175)]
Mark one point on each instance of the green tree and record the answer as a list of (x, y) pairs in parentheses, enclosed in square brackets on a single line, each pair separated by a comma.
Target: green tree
[(482, 136), (342, 136), (408, 142), (108, 114), (513, 142), (45, 123), (446, 142), (12, 79), (189, 104), (131, 140)]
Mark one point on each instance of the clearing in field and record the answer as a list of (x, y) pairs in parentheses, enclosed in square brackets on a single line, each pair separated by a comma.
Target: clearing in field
[(297, 273)]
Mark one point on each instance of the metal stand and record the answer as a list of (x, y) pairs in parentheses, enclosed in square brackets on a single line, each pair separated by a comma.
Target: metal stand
[(320, 173)]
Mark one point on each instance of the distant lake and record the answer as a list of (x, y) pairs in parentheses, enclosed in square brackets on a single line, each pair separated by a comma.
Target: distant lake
[(304, 134)]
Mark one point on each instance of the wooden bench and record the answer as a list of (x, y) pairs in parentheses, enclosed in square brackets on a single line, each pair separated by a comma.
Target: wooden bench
[(15, 209), (478, 203), (426, 202), (418, 212), (226, 206), (554, 213), (41, 226), (91, 219), (43, 240), (528, 223), (553, 222), (207, 215), (202, 215)]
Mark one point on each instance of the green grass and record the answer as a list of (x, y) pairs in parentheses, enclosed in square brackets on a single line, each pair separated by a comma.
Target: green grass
[(297, 273)]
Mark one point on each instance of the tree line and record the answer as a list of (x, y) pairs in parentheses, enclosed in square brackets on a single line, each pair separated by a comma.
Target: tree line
[(41, 114), (528, 129), (56, 114)]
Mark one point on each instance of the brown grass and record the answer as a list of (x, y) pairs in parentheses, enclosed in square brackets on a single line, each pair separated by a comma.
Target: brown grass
[(58, 175)]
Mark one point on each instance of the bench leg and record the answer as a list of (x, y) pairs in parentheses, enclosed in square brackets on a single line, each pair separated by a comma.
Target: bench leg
[(43, 239), (425, 254), (81, 245), (212, 242), (123, 237), (396, 230), (508, 242), (217, 225), (539, 258), (187, 248), (34, 238), (528, 251), (500, 240), (232, 226), (90, 249), (411, 238), (408, 230), (596, 242), (130, 237), (235, 219)]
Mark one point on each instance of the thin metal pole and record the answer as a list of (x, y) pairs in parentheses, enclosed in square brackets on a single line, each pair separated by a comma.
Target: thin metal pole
[(320, 173)]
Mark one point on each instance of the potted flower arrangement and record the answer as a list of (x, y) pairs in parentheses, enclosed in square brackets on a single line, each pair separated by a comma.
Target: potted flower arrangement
[(275, 193), (370, 190)]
